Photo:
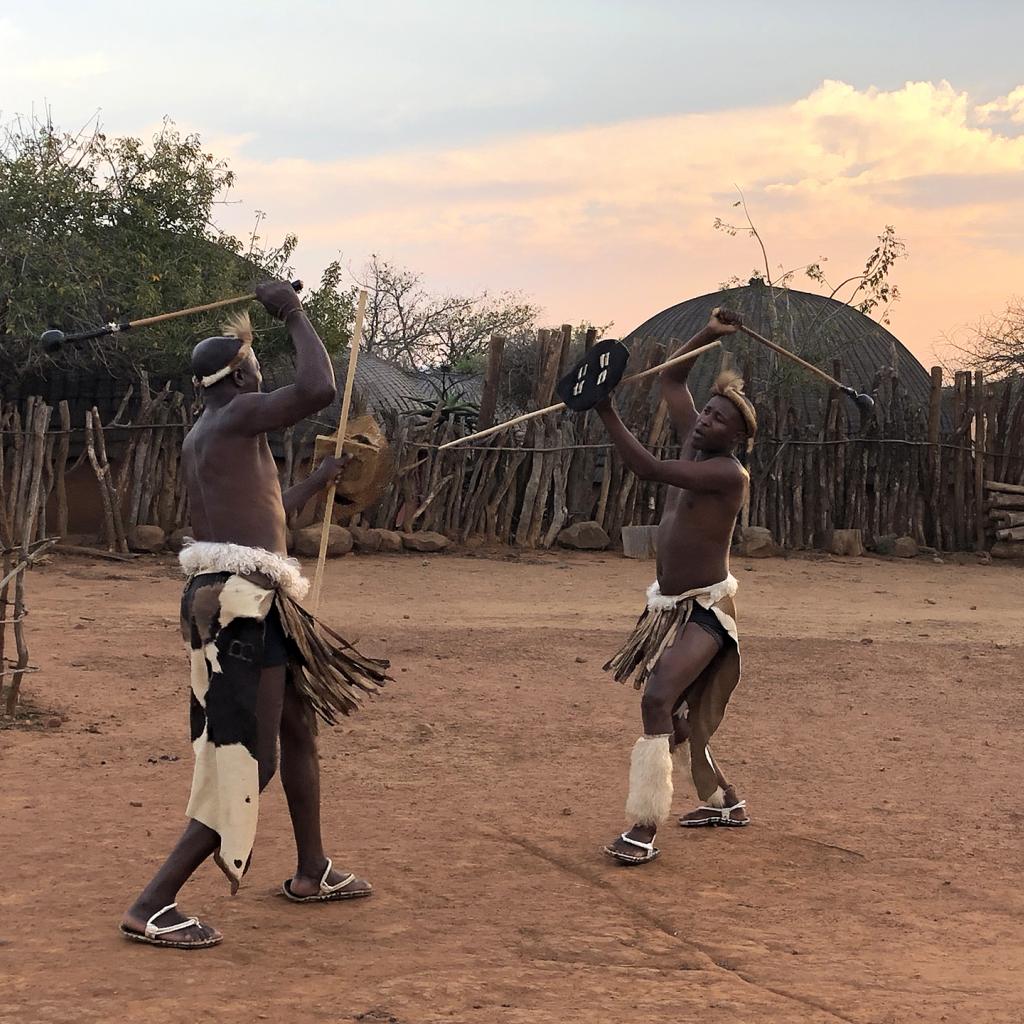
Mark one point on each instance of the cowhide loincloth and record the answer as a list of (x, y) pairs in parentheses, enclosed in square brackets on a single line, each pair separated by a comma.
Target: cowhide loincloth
[(223, 617), (704, 702)]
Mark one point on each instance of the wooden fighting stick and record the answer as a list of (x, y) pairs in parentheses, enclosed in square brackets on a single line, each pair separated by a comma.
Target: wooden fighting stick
[(346, 402), (864, 402), (52, 340), (674, 361)]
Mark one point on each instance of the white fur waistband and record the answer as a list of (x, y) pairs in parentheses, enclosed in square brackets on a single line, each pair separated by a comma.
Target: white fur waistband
[(202, 556), (708, 597)]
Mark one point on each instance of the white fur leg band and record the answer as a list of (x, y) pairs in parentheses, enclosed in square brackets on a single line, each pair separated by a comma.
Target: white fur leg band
[(681, 759), (650, 781), (717, 799)]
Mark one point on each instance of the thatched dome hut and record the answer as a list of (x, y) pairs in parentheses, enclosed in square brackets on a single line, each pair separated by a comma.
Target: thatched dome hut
[(819, 329)]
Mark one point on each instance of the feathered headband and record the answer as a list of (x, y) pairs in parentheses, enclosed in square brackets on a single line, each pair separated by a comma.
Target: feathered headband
[(729, 384), (238, 325)]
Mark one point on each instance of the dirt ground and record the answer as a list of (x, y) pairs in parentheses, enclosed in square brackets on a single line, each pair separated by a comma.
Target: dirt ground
[(876, 736)]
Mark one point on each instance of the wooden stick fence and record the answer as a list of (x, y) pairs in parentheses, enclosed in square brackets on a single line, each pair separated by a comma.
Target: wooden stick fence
[(898, 473)]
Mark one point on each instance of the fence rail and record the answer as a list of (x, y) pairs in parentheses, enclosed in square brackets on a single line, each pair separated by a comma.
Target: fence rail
[(894, 473)]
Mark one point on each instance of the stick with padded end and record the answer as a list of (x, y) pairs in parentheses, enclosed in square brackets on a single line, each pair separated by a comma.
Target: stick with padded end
[(54, 340)]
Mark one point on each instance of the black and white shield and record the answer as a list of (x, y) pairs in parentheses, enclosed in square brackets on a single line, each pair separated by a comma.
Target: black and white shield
[(594, 376)]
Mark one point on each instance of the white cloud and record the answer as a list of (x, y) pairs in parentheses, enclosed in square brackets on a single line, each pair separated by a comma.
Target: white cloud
[(614, 222), (1009, 108), (26, 66)]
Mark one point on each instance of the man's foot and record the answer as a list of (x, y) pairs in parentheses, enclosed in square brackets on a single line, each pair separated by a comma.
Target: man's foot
[(329, 886), (633, 847), (165, 926), (732, 815)]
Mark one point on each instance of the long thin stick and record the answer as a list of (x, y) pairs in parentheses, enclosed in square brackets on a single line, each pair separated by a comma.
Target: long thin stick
[(346, 402), (297, 285), (161, 317), (674, 361), (791, 355)]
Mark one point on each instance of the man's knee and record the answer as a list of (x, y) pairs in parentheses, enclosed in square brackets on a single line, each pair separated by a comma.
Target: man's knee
[(656, 702)]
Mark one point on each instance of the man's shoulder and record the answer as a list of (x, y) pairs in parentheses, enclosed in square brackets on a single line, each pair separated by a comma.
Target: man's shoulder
[(220, 421), (731, 469), (718, 461), (212, 432)]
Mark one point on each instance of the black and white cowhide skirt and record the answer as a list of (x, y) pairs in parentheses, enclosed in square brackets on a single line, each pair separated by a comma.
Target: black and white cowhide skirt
[(223, 616)]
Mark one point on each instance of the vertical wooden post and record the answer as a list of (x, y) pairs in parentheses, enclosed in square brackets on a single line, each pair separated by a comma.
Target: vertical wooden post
[(11, 520), (970, 407), (934, 455), (36, 427), (590, 339), (492, 378), (531, 512), (979, 460), (566, 345), (8, 561), (960, 462), (540, 349), (550, 354), (63, 448), (24, 454)]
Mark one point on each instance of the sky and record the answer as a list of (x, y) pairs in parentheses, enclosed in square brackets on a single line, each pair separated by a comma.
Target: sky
[(579, 151)]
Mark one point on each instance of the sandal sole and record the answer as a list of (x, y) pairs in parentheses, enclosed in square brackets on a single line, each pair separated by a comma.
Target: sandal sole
[(336, 897), (713, 823), (147, 941), (629, 861)]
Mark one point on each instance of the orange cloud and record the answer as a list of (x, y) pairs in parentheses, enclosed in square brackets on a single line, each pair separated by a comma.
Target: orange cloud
[(613, 223)]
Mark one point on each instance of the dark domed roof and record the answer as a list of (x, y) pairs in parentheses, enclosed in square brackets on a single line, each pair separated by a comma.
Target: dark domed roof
[(815, 327)]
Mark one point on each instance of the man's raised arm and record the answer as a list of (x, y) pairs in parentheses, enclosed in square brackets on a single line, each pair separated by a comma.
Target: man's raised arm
[(710, 475), (674, 387), (314, 386)]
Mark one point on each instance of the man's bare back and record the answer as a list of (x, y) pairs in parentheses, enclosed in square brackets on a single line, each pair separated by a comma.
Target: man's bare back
[(233, 487), (220, 466)]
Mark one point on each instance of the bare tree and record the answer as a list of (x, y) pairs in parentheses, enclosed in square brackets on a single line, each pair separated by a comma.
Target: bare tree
[(462, 330), (996, 344), (407, 324)]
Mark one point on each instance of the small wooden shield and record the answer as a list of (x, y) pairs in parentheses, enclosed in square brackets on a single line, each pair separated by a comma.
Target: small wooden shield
[(371, 470), (594, 376)]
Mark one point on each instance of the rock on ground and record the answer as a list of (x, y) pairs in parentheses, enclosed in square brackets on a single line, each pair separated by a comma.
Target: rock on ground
[(365, 539), (307, 541), (757, 542), (585, 536), (148, 539), (425, 541), (906, 547)]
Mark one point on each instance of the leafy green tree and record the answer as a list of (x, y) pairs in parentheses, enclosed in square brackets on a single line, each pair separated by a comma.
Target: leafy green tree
[(96, 229)]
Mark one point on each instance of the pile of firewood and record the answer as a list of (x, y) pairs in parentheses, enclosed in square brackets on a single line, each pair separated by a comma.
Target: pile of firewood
[(1005, 503)]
